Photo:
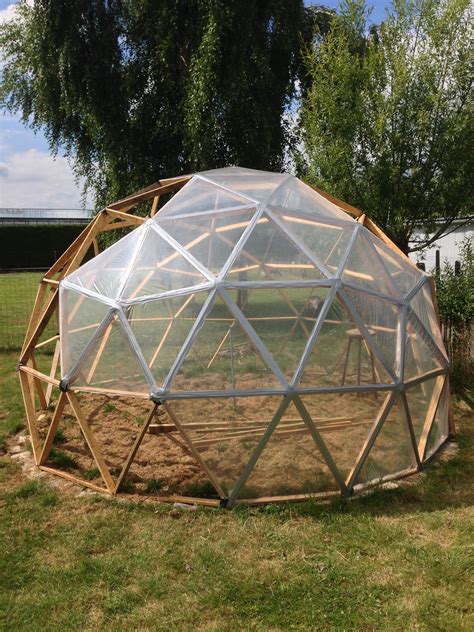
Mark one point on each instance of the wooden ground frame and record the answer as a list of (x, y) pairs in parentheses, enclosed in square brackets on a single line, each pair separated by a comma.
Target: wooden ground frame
[(38, 387)]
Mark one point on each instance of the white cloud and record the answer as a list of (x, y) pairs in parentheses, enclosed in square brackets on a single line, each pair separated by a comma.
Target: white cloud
[(8, 13), (34, 179)]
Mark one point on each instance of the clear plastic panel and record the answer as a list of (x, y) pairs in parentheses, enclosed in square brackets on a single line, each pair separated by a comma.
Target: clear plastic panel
[(112, 365), (269, 255), (392, 451), (420, 400), (210, 238), (380, 317), (79, 318), (290, 463), (200, 196), (422, 305), (297, 196), (161, 327), (341, 356), (222, 357), (283, 318), (105, 273), (258, 185), (440, 428), (328, 242), (421, 355), (404, 273), (225, 431), (344, 420), (365, 270), (158, 268)]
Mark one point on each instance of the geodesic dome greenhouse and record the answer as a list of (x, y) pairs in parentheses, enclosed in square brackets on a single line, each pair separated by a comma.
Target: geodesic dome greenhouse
[(268, 338)]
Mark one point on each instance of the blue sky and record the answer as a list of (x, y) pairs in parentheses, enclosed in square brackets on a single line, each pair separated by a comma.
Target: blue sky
[(30, 176)]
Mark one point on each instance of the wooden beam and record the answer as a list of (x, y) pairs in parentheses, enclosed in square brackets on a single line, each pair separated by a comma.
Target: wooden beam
[(48, 442), (73, 479), (193, 450), (130, 219), (134, 449), (91, 441), (30, 415), (23, 368), (131, 200)]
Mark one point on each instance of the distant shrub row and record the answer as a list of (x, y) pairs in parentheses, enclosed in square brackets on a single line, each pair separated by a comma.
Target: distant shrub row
[(34, 246)]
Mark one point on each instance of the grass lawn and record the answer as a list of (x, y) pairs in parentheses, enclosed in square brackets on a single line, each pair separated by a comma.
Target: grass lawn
[(396, 559)]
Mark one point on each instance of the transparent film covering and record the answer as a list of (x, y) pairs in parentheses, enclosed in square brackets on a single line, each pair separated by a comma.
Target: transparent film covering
[(222, 357), (297, 196), (290, 463), (365, 270), (105, 273), (210, 237), (283, 318), (200, 196), (270, 255), (422, 305), (112, 364), (392, 451), (161, 327), (258, 185), (440, 428), (158, 268), (344, 421), (422, 401), (404, 273), (421, 354), (341, 355), (325, 240), (80, 316), (225, 431), (381, 318)]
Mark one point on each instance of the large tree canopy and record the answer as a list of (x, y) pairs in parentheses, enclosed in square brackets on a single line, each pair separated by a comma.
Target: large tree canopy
[(135, 90), (387, 123)]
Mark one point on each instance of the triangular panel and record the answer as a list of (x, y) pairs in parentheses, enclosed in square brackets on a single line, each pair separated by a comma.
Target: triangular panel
[(80, 317), (404, 273), (210, 238), (283, 318), (327, 241), (422, 305), (364, 268), (290, 463), (341, 355), (158, 268), (258, 185), (225, 431), (421, 354), (161, 326), (344, 421), (222, 357), (440, 427), (392, 451), (296, 196), (112, 365), (380, 317), (201, 196), (422, 399), (105, 273), (269, 255)]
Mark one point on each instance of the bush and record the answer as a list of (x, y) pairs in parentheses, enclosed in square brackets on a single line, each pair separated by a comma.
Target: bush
[(455, 292)]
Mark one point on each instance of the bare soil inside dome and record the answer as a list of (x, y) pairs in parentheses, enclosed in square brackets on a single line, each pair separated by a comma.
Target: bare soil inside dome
[(224, 432)]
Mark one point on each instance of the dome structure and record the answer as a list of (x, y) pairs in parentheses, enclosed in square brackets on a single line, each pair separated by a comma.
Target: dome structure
[(291, 347)]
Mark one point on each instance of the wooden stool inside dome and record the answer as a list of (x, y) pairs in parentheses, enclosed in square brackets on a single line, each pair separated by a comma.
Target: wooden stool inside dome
[(355, 337)]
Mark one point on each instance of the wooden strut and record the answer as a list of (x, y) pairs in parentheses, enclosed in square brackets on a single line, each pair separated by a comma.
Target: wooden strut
[(117, 216)]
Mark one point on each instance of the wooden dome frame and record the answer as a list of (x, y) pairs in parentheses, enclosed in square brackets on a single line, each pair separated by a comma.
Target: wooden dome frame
[(38, 386)]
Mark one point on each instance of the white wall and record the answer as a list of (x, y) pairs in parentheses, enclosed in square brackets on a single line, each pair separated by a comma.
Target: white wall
[(449, 245)]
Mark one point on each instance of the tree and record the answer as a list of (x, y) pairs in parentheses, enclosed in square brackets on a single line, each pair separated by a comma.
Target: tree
[(133, 90), (387, 122)]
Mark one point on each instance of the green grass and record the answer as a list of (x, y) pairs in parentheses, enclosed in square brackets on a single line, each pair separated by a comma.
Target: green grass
[(396, 559)]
